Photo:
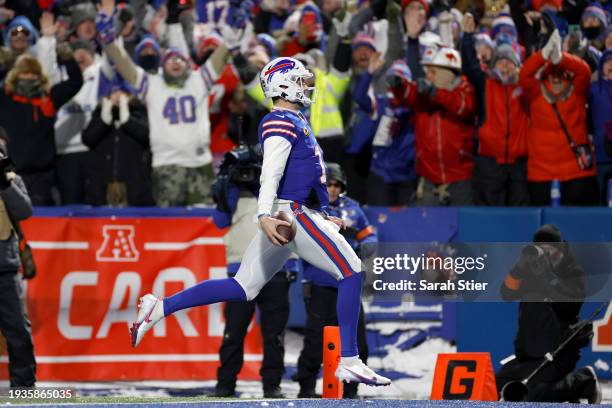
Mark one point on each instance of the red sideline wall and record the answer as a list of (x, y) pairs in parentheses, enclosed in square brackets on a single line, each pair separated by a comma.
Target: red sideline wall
[(91, 272)]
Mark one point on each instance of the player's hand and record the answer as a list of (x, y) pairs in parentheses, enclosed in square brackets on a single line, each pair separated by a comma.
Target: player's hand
[(338, 221), (268, 226)]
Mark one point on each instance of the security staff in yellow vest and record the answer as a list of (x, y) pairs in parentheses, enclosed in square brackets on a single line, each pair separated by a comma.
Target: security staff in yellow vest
[(15, 205)]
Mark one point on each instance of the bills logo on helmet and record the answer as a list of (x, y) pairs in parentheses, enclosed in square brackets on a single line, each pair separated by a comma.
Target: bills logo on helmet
[(282, 66), (451, 57)]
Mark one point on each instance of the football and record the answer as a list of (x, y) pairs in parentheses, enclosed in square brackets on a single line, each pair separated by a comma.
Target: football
[(287, 232)]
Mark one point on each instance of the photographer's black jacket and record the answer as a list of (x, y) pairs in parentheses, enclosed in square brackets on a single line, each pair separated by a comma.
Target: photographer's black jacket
[(545, 310)]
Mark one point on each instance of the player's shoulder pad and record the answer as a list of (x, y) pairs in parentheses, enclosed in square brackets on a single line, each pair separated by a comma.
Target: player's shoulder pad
[(279, 123), (278, 114)]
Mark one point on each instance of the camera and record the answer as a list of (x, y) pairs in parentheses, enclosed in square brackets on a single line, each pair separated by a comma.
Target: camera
[(243, 165), (241, 168)]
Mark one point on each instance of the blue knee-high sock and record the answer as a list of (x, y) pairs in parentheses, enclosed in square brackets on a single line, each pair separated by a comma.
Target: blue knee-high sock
[(347, 308), (205, 293)]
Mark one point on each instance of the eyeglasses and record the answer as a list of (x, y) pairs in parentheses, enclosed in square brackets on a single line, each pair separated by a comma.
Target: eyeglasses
[(20, 30)]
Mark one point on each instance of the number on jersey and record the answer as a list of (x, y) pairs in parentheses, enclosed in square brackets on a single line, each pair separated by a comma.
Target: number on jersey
[(180, 110), (319, 154)]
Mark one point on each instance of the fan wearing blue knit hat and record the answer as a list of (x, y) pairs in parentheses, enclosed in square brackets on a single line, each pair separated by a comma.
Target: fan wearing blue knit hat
[(178, 106)]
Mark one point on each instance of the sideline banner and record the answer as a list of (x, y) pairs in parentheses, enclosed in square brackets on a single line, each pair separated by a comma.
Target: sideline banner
[(91, 273)]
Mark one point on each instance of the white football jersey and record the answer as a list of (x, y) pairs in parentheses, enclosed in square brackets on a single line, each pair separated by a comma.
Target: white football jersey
[(74, 116), (179, 124)]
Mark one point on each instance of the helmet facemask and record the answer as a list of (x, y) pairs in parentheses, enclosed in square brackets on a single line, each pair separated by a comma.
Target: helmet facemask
[(303, 92)]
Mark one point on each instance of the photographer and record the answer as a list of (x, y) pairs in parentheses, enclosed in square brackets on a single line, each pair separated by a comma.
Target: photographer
[(550, 286), (235, 192), (15, 205)]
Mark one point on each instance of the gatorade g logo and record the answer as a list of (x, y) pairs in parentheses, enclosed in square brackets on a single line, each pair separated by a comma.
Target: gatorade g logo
[(464, 376), (459, 382), (118, 245)]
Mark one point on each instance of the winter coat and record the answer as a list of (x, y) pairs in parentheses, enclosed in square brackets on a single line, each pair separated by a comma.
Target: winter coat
[(503, 134), (549, 153), (600, 103), (503, 115), (120, 154), (444, 132), (17, 203), (29, 122)]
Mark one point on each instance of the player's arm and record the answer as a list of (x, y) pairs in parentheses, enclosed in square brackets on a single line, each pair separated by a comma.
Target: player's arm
[(276, 153)]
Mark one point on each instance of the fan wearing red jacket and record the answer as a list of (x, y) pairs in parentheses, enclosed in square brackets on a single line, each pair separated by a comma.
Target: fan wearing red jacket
[(444, 105), (558, 146)]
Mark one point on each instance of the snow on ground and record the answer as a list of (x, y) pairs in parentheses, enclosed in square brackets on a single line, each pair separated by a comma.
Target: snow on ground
[(417, 364)]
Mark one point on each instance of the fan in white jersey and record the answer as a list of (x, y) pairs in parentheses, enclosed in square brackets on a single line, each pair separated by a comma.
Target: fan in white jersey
[(177, 104)]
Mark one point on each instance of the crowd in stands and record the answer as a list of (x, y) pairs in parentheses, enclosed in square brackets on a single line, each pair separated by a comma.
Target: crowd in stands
[(494, 102)]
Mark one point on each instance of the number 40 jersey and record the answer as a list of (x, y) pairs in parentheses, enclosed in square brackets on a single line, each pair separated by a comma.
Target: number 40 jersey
[(179, 123), (304, 176)]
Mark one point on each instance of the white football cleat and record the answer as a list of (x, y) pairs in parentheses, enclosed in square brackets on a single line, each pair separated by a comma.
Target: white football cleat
[(150, 311), (353, 370)]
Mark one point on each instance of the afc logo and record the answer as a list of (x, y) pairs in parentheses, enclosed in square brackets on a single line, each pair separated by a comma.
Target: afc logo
[(118, 245)]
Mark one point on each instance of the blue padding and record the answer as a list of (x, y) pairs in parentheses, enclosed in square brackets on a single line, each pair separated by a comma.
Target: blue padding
[(415, 224), (487, 327), (581, 224), (492, 326), (449, 321), (141, 212), (488, 224)]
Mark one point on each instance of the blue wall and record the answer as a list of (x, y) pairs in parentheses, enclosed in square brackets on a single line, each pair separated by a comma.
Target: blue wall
[(475, 326), (491, 326)]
